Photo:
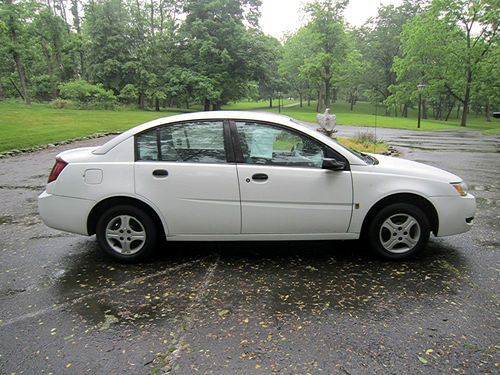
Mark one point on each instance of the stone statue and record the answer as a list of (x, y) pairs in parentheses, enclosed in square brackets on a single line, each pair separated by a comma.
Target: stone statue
[(327, 121)]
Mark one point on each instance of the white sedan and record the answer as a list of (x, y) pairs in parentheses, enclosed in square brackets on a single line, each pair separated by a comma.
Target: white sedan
[(241, 176)]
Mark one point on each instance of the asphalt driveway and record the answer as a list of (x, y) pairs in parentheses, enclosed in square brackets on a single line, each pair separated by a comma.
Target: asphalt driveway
[(285, 307)]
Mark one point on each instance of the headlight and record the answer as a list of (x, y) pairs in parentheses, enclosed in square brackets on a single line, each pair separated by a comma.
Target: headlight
[(460, 187)]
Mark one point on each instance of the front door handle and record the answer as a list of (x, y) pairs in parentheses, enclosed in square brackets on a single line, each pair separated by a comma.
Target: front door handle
[(260, 177), (160, 173)]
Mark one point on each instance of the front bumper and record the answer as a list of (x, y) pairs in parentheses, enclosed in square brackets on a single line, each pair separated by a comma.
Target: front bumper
[(456, 214), (65, 213)]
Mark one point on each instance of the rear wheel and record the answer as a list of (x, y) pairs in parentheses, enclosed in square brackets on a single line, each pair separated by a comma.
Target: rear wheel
[(126, 233), (398, 231)]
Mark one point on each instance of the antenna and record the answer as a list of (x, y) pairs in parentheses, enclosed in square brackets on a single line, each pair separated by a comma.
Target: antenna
[(376, 117)]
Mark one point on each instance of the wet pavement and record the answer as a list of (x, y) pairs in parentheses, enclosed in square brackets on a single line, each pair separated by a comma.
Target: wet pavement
[(285, 307), (459, 139)]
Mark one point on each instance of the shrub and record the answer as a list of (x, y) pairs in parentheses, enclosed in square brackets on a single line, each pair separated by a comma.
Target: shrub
[(367, 137), (83, 92), (41, 87), (128, 94), (62, 103)]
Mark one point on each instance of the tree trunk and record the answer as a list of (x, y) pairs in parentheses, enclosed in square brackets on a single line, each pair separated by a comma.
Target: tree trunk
[(141, 101), (351, 99), (463, 121), (22, 77), (206, 105), (301, 99), (48, 56), (327, 92), (17, 88), (162, 17), (217, 105), (17, 57), (157, 105), (487, 110), (270, 102), (449, 112), (319, 104)]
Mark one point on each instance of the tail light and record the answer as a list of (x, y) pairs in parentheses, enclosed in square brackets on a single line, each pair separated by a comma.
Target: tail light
[(57, 169)]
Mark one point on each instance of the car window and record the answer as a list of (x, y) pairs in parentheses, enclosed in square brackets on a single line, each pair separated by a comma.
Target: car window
[(270, 145), (192, 142)]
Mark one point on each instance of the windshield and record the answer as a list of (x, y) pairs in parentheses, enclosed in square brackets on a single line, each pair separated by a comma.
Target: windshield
[(368, 159)]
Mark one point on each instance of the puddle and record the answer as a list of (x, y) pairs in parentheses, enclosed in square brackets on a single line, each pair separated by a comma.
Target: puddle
[(113, 294), (7, 219)]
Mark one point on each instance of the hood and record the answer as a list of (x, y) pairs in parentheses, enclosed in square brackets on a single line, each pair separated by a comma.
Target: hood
[(403, 167)]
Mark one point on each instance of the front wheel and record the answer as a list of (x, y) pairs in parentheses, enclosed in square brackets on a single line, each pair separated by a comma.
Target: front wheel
[(398, 231), (126, 233)]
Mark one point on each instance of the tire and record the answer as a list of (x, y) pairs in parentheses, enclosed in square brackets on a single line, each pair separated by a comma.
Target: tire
[(126, 233), (398, 231)]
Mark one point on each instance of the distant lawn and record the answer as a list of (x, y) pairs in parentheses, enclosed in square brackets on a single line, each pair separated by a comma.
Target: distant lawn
[(23, 126), (364, 115), (249, 105)]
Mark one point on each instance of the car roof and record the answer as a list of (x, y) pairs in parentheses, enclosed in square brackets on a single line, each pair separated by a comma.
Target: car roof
[(225, 115)]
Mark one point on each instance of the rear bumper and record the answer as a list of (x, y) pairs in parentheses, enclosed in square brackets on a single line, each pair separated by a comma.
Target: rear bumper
[(456, 214), (65, 213)]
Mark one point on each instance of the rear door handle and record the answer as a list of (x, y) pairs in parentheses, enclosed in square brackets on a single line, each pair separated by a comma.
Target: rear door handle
[(260, 177), (160, 173)]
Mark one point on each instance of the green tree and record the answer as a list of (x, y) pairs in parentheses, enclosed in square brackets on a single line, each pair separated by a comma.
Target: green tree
[(424, 59), (329, 45), (295, 54), (106, 28), (215, 44), (13, 18), (479, 20), (440, 49), (268, 54), (352, 72), (379, 43)]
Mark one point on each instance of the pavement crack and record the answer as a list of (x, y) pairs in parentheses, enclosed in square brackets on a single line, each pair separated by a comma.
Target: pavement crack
[(11, 292), (79, 300), (22, 187), (166, 361)]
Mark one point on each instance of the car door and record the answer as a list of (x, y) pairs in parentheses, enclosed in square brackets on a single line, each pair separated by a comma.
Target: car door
[(283, 188), (183, 169)]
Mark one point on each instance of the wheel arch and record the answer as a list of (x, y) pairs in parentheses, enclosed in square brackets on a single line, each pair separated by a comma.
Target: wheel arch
[(417, 200), (106, 203)]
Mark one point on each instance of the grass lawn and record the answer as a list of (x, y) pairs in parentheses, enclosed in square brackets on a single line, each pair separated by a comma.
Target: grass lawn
[(23, 126), (364, 115)]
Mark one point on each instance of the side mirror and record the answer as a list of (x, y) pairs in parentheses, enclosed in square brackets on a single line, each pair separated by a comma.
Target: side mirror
[(333, 164)]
